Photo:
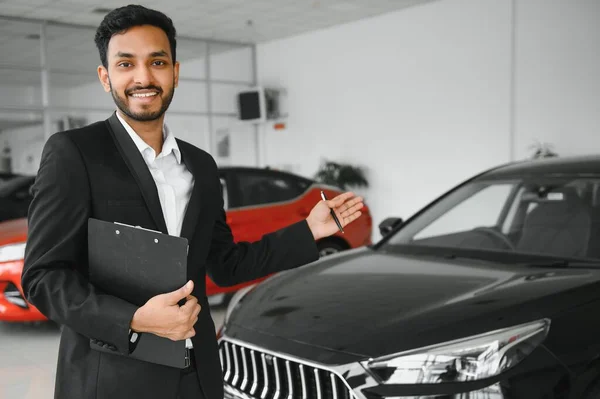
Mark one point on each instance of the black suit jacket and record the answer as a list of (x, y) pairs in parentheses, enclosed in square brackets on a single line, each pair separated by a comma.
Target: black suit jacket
[(97, 171)]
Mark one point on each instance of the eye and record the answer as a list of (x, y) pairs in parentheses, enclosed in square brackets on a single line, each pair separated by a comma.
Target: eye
[(124, 64), (159, 63)]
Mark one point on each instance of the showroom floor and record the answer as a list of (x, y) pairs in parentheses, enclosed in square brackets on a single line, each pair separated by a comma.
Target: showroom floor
[(28, 358)]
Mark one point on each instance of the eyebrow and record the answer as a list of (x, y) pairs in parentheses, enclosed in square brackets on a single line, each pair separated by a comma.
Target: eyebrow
[(160, 53), (120, 54)]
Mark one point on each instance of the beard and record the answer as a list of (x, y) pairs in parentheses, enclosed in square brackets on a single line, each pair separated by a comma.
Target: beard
[(143, 116)]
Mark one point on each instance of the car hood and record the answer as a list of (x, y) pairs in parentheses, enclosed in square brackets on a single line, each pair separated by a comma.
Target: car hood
[(370, 303), (13, 231)]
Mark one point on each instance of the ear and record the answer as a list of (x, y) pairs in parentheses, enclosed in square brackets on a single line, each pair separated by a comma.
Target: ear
[(104, 79), (176, 73)]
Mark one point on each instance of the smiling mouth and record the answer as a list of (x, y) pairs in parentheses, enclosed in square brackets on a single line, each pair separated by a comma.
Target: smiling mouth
[(143, 95)]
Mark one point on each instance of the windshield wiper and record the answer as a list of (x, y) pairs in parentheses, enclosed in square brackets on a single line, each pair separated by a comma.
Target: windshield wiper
[(495, 257)]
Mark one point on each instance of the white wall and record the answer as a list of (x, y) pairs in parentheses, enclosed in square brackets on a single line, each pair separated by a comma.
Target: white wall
[(420, 97), (558, 75)]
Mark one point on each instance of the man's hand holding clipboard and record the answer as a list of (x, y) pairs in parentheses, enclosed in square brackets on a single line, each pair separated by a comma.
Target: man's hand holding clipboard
[(163, 316)]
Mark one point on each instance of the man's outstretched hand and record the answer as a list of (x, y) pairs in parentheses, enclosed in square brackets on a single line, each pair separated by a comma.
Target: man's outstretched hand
[(346, 206)]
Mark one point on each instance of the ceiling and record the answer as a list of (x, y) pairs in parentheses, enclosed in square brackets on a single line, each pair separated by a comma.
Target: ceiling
[(246, 21)]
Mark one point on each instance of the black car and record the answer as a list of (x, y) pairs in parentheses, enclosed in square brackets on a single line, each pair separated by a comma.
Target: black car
[(491, 291)]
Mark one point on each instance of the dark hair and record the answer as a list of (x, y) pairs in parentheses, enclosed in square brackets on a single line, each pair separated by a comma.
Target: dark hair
[(122, 18)]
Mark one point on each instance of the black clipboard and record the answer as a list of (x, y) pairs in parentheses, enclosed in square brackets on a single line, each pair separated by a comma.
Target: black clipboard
[(135, 264)]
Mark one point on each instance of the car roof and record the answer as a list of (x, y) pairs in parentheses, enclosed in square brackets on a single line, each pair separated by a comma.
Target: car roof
[(261, 170), (222, 169), (569, 165)]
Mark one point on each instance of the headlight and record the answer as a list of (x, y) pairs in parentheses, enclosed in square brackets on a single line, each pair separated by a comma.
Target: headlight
[(468, 359), (235, 299), (12, 252)]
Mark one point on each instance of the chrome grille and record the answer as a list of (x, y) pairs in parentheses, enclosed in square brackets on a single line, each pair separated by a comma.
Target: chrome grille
[(266, 376)]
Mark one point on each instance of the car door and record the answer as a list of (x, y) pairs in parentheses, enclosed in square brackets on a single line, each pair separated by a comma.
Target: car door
[(261, 202)]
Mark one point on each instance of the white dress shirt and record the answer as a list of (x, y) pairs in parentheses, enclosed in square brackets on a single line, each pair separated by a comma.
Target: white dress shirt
[(174, 181)]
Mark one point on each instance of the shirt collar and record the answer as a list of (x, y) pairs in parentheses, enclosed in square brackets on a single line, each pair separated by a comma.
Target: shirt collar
[(169, 142)]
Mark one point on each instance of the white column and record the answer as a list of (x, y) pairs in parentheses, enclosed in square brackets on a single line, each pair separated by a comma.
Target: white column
[(211, 148), (45, 81)]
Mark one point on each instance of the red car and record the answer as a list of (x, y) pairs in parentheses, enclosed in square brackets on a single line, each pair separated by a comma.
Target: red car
[(257, 201)]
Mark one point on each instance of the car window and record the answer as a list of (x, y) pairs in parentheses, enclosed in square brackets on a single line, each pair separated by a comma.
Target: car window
[(512, 217), (481, 209), (257, 188)]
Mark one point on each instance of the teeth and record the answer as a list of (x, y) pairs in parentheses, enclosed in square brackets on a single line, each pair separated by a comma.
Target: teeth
[(143, 94)]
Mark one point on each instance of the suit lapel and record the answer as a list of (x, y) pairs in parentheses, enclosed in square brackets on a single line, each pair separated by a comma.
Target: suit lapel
[(138, 168), (194, 205)]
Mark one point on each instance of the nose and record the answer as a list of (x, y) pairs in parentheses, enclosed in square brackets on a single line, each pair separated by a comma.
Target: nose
[(143, 76)]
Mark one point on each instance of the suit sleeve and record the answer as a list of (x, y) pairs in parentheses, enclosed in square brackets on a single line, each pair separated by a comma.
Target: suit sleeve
[(54, 275), (231, 263)]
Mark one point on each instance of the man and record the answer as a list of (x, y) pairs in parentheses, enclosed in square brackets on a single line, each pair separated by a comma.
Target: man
[(131, 169)]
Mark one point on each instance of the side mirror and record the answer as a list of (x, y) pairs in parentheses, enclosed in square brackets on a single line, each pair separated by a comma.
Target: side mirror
[(388, 224)]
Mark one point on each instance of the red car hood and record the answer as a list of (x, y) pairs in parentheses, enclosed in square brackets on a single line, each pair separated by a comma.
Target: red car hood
[(13, 231)]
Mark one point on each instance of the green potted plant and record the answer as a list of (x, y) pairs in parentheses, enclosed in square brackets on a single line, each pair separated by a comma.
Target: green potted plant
[(341, 175)]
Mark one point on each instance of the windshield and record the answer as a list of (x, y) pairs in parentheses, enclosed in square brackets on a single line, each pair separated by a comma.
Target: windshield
[(555, 217)]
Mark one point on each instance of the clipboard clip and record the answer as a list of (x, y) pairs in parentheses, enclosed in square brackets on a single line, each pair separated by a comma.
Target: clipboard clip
[(138, 227)]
